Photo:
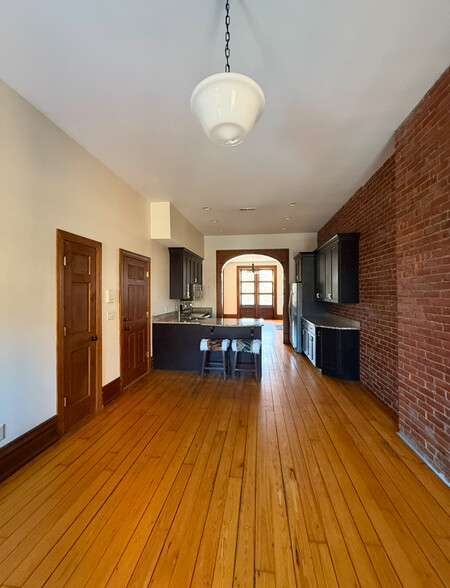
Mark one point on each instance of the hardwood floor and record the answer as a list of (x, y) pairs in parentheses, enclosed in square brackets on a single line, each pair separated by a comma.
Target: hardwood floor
[(300, 480)]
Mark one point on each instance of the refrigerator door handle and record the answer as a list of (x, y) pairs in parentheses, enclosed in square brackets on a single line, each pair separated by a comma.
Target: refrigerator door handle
[(289, 307)]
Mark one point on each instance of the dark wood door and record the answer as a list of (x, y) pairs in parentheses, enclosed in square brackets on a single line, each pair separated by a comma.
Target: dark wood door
[(79, 337), (134, 312), (256, 292)]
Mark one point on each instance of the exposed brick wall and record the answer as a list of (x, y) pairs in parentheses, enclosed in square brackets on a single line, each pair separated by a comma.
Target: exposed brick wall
[(403, 215), (371, 212), (422, 157)]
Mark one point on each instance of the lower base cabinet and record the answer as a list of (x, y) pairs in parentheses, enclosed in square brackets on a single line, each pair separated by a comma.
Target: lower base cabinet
[(309, 341), (337, 352)]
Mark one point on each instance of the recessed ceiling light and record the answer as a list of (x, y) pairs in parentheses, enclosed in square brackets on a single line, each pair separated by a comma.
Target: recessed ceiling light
[(287, 217), (283, 229), (220, 230), (214, 220), (247, 208), (292, 203), (206, 208)]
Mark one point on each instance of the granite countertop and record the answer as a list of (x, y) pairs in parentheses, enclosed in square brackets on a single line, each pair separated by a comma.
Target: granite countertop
[(331, 321), (171, 318)]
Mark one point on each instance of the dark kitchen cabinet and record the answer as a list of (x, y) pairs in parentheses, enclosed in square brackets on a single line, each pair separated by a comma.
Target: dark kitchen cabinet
[(309, 347), (337, 276), (337, 352), (298, 267), (185, 268)]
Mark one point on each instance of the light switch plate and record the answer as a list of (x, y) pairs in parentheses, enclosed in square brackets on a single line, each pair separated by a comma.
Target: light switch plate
[(110, 316), (2, 432), (109, 296)]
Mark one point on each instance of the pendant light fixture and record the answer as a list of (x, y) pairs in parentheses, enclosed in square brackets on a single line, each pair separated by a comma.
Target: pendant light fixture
[(227, 104)]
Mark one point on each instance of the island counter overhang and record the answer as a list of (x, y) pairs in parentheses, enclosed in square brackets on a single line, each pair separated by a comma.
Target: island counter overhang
[(176, 344)]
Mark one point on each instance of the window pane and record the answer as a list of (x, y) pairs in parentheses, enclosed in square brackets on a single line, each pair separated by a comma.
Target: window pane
[(248, 287), (266, 287), (247, 276), (247, 300), (266, 275), (265, 300)]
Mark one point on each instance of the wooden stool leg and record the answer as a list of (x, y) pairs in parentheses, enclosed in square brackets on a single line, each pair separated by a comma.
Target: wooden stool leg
[(224, 360), (203, 364), (255, 361)]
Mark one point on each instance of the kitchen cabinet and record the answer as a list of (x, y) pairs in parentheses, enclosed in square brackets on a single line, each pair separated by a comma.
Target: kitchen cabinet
[(309, 341), (331, 343), (186, 268), (336, 275), (298, 267), (337, 352)]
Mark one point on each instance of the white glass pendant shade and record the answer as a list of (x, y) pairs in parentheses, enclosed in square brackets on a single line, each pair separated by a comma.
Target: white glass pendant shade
[(227, 106)]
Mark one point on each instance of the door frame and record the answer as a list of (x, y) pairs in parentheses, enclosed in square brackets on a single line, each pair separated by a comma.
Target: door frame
[(140, 257), (61, 237), (281, 255)]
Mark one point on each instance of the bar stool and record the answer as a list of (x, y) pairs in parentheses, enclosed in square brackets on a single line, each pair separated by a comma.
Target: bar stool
[(252, 346), (214, 345)]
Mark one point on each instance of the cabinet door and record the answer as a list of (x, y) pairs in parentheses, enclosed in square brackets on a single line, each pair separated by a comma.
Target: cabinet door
[(185, 280), (328, 274), (334, 274), (305, 341), (321, 276), (312, 347), (298, 269), (329, 350)]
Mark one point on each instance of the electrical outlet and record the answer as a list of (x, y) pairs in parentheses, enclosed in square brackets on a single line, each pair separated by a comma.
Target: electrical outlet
[(2, 432)]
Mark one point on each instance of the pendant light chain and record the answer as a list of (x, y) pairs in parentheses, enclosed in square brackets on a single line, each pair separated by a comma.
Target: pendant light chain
[(227, 37)]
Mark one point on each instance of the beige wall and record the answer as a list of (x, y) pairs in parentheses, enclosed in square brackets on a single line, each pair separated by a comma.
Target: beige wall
[(47, 181), (170, 228)]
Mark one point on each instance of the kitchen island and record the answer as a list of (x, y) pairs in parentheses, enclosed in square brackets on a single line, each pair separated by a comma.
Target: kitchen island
[(176, 344)]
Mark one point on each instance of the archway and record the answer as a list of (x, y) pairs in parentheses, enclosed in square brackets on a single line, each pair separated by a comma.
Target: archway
[(281, 255)]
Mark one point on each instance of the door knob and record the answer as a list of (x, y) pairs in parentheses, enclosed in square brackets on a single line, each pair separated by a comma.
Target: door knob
[(127, 328), (94, 338)]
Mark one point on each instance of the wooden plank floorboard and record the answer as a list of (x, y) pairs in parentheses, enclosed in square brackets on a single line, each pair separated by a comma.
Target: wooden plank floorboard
[(299, 480)]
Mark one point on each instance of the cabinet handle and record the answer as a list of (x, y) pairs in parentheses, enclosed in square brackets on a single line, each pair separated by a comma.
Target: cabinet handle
[(329, 296), (318, 295)]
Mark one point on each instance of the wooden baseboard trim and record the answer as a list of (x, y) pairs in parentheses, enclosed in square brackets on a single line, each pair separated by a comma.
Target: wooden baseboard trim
[(279, 317), (230, 316), (23, 449), (111, 391)]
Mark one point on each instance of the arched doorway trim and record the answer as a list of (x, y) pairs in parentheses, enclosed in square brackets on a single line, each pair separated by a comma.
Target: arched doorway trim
[(281, 255)]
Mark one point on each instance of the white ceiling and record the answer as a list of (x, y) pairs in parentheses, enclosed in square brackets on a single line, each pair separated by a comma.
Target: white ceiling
[(338, 76)]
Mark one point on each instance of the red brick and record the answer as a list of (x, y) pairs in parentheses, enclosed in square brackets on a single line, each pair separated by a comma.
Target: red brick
[(403, 216)]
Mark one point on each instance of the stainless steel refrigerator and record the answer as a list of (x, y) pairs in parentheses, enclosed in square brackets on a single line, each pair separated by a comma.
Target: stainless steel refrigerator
[(295, 315)]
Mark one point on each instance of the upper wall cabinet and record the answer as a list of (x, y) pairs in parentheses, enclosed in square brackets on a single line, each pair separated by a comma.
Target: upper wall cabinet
[(298, 267), (185, 269), (336, 276)]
